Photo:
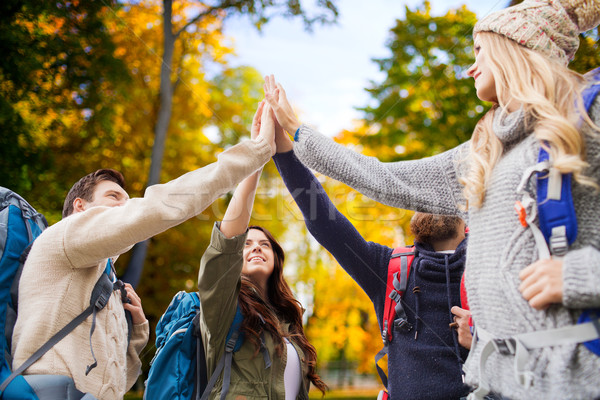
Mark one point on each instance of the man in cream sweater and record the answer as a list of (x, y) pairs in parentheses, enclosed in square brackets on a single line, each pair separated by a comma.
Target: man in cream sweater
[(99, 222)]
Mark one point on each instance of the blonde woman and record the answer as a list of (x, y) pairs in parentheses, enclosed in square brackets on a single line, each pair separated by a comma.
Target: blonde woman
[(521, 57)]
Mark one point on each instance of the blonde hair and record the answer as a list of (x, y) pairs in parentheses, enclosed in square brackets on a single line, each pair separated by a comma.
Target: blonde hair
[(550, 95)]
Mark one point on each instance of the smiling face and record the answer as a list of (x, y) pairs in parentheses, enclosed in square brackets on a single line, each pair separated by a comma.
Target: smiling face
[(259, 258), (485, 84)]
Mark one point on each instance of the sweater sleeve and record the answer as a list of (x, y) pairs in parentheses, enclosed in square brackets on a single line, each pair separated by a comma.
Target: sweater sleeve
[(426, 185), (581, 267), (139, 339), (366, 262), (218, 289), (102, 232), (581, 278)]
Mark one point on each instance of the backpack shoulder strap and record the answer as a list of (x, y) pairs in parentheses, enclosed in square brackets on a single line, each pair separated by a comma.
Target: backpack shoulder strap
[(394, 315), (100, 296), (557, 218), (234, 341), (589, 95), (201, 378), (397, 281), (591, 92)]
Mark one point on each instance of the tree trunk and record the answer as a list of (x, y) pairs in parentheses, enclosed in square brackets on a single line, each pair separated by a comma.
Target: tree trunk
[(138, 256)]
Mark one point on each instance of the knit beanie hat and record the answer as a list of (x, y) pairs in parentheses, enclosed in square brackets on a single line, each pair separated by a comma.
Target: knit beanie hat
[(550, 27)]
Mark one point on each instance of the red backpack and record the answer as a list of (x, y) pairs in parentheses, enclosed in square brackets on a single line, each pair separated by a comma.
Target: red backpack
[(394, 316)]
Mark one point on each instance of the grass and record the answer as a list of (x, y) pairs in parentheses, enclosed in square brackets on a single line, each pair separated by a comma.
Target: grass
[(314, 395), (344, 395)]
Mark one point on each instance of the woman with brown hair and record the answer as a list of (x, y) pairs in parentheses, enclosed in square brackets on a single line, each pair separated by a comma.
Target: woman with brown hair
[(244, 265)]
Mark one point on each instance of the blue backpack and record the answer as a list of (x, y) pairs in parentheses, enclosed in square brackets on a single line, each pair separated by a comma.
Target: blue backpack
[(553, 206), (20, 225), (556, 212), (178, 369)]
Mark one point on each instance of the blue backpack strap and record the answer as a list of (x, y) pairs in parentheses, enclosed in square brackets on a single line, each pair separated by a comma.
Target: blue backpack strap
[(554, 214), (201, 379), (592, 91), (556, 211), (234, 329), (234, 341)]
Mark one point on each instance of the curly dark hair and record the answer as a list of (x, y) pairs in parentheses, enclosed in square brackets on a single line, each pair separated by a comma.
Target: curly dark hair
[(429, 228)]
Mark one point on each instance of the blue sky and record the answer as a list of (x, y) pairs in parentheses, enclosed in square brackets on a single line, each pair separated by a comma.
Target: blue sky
[(325, 72)]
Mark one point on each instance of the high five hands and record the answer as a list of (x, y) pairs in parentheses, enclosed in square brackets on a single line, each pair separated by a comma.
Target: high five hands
[(263, 124), (284, 114)]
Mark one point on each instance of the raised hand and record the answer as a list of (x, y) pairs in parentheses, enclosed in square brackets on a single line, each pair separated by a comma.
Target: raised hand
[(255, 129), (263, 124), (275, 95), (282, 139)]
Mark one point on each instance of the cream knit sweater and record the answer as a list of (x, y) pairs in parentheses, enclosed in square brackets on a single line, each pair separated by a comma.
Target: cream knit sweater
[(69, 257)]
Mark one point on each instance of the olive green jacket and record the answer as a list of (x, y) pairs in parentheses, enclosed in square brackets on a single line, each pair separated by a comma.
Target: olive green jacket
[(218, 286)]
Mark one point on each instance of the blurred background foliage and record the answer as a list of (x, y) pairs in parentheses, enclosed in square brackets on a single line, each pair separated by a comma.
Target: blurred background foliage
[(80, 89)]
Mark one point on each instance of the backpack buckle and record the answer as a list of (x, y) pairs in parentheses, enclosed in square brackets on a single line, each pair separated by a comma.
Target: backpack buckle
[(558, 241), (402, 325), (506, 347), (384, 333)]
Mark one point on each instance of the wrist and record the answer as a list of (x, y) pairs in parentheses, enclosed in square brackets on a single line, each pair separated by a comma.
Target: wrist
[(293, 126), (297, 134)]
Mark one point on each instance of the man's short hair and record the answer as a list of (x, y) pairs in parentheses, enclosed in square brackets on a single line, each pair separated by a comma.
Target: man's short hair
[(430, 228), (84, 188)]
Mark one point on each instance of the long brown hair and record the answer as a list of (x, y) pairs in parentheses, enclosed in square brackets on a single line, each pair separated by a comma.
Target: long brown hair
[(280, 305)]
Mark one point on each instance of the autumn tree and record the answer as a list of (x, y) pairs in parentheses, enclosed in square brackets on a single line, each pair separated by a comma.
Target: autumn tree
[(174, 255), (187, 24), (57, 57), (426, 103)]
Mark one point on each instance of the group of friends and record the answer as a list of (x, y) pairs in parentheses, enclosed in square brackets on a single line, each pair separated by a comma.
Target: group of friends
[(521, 57)]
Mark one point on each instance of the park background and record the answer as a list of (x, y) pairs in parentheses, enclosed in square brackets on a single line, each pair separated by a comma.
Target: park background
[(157, 88)]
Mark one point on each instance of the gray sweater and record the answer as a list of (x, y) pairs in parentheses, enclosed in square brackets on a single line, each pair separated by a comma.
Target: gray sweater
[(499, 247)]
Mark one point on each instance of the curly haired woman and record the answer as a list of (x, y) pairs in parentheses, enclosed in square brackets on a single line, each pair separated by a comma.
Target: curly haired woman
[(245, 265)]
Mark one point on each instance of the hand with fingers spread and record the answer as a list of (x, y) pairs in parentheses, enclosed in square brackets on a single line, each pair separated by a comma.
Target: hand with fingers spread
[(275, 95), (542, 283), (461, 319), (134, 306)]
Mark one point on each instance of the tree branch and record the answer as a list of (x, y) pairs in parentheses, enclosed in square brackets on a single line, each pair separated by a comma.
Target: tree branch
[(210, 10)]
